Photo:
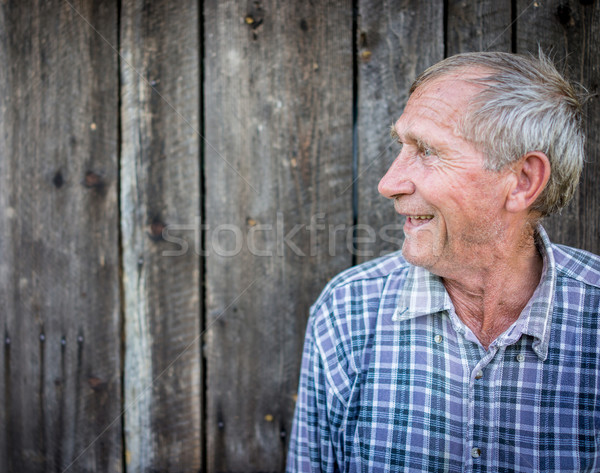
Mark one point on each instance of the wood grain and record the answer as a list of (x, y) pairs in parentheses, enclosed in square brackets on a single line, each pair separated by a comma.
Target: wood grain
[(278, 108), (274, 175), (570, 32), (396, 41), (484, 25), (59, 260), (160, 211)]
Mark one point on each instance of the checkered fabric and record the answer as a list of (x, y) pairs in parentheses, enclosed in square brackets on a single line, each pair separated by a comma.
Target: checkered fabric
[(392, 380)]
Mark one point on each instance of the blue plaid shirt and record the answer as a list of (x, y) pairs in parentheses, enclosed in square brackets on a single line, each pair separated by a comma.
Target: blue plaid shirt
[(392, 380)]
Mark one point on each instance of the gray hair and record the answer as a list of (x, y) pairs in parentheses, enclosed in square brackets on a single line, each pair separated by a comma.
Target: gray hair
[(526, 105)]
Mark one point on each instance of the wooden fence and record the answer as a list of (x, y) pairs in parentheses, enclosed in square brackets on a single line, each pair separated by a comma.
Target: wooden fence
[(178, 180)]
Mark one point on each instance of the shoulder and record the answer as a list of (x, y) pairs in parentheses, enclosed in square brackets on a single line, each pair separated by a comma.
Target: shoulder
[(365, 277), (346, 311), (575, 307), (577, 265), (344, 318)]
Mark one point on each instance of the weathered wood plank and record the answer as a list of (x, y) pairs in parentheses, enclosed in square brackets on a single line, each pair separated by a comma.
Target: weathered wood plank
[(160, 201), (59, 251), (278, 95), (570, 32), (396, 41), (484, 25)]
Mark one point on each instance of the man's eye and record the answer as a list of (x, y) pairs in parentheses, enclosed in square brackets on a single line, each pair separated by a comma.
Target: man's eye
[(427, 152)]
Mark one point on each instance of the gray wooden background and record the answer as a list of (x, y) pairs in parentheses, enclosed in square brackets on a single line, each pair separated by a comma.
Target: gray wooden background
[(178, 180)]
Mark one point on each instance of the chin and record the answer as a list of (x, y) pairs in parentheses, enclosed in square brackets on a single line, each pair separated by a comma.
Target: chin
[(418, 256)]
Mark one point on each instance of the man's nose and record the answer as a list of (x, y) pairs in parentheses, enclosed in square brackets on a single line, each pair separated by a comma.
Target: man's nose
[(396, 180)]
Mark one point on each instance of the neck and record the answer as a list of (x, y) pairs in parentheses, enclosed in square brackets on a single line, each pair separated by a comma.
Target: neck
[(490, 296)]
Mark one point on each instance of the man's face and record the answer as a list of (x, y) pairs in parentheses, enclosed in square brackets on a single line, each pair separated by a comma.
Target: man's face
[(454, 207)]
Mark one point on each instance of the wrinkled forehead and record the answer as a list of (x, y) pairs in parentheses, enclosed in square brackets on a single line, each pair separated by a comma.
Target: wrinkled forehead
[(443, 100)]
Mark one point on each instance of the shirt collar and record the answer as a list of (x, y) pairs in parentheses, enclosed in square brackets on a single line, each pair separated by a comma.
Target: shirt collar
[(424, 293), (536, 318)]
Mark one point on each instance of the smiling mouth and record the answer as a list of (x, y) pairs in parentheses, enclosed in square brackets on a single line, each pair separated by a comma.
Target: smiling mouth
[(418, 219)]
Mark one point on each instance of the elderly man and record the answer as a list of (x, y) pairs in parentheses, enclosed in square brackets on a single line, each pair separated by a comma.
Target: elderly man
[(476, 349)]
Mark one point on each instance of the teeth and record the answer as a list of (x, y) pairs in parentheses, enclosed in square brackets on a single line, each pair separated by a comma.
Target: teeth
[(422, 217)]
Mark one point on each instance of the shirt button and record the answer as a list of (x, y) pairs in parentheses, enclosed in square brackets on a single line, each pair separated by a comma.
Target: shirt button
[(521, 357), (475, 452), (479, 374), (438, 339)]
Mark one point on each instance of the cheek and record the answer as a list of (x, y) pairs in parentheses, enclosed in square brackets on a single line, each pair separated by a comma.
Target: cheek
[(477, 192)]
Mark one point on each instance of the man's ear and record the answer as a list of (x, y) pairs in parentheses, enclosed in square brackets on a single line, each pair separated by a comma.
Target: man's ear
[(531, 174)]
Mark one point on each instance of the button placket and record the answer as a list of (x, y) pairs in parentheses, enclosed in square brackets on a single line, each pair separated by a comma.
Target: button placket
[(482, 404)]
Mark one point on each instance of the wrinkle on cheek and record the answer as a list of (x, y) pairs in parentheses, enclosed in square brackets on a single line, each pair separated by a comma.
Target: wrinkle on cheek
[(449, 170), (444, 168), (454, 160)]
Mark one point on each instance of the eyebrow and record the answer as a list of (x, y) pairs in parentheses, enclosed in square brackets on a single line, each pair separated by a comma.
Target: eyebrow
[(411, 137)]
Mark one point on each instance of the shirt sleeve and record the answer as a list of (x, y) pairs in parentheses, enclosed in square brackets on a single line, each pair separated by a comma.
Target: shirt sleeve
[(311, 448)]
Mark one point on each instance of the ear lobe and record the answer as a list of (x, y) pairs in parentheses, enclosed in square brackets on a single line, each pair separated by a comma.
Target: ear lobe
[(532, 173)]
